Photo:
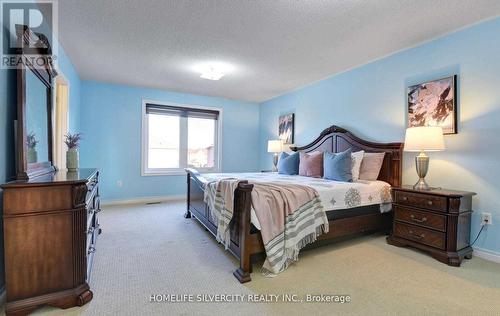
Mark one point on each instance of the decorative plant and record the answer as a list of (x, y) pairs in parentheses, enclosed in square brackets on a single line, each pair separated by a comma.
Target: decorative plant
[(72, 140), (31, 140)]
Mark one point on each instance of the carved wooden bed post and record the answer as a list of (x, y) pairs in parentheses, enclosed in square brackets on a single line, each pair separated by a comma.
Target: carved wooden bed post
[(188, 212), (242, 208)]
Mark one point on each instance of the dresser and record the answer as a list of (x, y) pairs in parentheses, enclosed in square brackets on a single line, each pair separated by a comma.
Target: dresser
[(435, 221), (51, 226)]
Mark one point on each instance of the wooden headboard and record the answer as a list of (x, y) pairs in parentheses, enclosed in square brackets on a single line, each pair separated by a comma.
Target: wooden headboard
[(336, 139)]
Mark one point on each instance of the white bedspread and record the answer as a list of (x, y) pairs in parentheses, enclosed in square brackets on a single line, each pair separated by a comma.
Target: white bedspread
[(334, 195)]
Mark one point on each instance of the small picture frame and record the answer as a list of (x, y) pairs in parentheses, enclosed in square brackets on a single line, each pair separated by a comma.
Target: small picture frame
[(434, 103), (286, 128)]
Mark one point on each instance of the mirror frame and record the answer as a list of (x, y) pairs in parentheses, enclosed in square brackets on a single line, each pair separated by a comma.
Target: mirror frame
[(26, 39)]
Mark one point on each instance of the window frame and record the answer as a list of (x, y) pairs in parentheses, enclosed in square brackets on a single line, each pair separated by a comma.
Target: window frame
[(145, 171)]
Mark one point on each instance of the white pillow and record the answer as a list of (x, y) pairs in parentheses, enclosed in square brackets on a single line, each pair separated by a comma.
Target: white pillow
[(357, 158), (371, 165)]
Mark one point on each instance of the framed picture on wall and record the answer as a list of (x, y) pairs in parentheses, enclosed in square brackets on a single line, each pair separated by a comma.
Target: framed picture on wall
[(286, 128), (434, 103)]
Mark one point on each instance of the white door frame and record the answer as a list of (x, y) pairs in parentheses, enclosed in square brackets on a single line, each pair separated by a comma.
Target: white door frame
[(61, 119)]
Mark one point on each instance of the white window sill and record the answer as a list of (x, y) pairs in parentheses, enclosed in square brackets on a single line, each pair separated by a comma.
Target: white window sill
[(180, 172)]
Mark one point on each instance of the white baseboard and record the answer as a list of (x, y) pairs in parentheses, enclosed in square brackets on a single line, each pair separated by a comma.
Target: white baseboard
[(144, 200), (487, 254)]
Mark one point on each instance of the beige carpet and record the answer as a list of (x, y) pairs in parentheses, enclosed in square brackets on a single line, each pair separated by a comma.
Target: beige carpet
[(152, 249)]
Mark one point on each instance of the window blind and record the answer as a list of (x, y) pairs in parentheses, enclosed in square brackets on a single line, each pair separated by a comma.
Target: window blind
[(181, 111)]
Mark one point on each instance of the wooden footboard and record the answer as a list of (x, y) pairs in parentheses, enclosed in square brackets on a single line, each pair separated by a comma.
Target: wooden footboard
[(247, 242), (244, 244)]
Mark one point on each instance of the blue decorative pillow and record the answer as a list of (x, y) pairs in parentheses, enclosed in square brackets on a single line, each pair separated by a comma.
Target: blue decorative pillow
[(289, 164), (337, 166)]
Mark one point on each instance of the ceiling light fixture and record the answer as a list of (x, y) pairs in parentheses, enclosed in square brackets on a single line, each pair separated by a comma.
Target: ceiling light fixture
[(213, 70), (212, 74)]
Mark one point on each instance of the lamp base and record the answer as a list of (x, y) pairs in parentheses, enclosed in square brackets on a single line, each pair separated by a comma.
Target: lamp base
[(421, 185), (275, 162), (422, 166)]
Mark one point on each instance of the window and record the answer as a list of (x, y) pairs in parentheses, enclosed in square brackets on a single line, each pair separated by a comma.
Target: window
[(177, 137)]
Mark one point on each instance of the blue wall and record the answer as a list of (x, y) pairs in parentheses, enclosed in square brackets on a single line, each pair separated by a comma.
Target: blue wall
[(111, 125), (371, 102)]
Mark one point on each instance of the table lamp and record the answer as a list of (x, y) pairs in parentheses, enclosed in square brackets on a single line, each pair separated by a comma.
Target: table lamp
[(275, 146), (422, 139)]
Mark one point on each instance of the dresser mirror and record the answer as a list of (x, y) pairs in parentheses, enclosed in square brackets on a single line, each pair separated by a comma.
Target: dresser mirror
[(36, 121), (34, 107)]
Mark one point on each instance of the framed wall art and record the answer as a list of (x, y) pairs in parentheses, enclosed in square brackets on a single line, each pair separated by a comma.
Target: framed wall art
[(434, 103), (286, 128)]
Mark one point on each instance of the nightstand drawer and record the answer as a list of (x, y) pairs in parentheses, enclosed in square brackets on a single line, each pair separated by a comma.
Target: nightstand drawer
[(420, 235), (427, 201), (420, 218)]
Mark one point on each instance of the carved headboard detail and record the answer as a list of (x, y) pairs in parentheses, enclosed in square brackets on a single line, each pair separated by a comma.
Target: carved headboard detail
[(336, 139)]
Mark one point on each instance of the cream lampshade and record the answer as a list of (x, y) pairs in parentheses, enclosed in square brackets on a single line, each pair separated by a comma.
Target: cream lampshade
[(275, 146), (422, 139)]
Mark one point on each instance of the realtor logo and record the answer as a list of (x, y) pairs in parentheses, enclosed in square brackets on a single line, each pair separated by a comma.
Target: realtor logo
[(35, 46)]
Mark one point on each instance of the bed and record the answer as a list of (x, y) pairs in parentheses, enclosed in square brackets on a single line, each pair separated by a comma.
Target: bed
[(345, 219)]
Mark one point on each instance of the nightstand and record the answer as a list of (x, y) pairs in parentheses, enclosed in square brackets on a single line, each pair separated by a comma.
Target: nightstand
[(436, 221)]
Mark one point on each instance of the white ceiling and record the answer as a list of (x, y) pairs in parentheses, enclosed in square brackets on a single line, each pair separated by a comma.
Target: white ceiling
[(274, 45)]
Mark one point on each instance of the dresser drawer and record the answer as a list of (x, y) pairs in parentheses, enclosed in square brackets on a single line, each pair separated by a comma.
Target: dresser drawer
[(91, 194), (431, 202), (97, 202), (92, 182), (90, 237), (420, 235), (92, 189), (90, 217), (420, 218), (90, 258)]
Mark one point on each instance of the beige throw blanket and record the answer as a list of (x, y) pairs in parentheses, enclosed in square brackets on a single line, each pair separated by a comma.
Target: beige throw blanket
[(291, 216), (219, 198)]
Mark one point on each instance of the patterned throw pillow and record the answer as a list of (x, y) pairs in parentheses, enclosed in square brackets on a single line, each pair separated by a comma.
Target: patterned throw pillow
[(311, 164), (337, 166), (289, 163), (370, 166), (357, 157)]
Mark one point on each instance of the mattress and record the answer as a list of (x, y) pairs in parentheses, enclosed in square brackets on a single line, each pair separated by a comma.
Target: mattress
[(334, 195)]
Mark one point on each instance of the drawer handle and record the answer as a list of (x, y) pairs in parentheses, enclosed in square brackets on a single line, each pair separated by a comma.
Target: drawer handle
[(429, 202), (405, 198), (91, 250), (413, 218), (413, 235)]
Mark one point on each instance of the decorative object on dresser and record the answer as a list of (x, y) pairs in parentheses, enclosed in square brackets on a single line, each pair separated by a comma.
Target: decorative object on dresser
[(49, 217), (286, 128), (275, 147), (436, 221), (434, 103), (31, 142), (422, 139), (72, 141)]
